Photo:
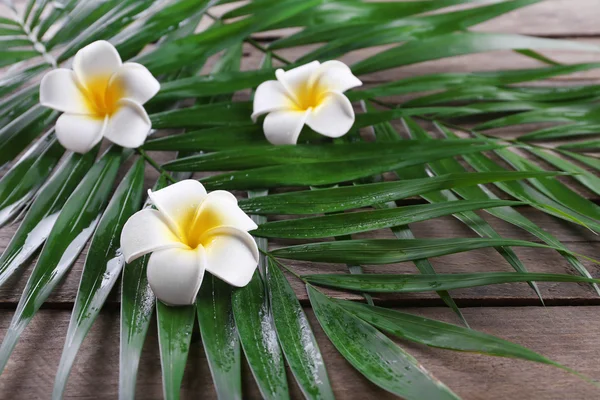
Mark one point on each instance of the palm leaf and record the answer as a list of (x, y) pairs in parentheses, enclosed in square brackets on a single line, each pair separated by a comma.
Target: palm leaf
[(220, 83), (65, 204), (386, 251), (347, 224), (470, 219), (20, 183), (346, 198), (459, 44), (589, 145), (259, 341), (326, 173), (213, 305), (591, 162), (465, 81), (184, 50), (175, 325), (73, 227), (219, 336), (535, 198), (103, 266), (137, 306), (247, 158), (373, 354), (386, 283), (553, 188), (217, 138), (296, 337), (21, 131), (507, 214), (370, 35), (439, 334), (43, 212), (348, 11), (423, 265), (586, 178)]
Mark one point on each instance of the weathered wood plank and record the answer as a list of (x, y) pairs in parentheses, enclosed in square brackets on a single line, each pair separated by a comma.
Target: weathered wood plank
[(570, 341)]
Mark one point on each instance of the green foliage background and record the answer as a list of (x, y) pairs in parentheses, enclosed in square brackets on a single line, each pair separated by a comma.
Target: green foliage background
[(66, 200)]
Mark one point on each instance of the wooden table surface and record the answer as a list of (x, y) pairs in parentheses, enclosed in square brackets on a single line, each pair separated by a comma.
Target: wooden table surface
[(566, 330)]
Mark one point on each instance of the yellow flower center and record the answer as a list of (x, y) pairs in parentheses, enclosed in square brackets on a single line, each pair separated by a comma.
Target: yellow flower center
[(101, 97), (202, 222), (309, 96)]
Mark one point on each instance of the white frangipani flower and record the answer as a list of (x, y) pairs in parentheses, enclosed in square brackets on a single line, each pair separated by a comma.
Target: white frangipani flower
[(100, 97), (310, 94), (189, 233)]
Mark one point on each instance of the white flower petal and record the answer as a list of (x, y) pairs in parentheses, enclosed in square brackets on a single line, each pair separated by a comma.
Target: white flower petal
[(79, 133), (129, 125), (335, 76), (224, 195), (97, 59), (333, 117), (284, 127), (175, 275), (178, 203), (135, 82), (297, 78), (59, 90), (217, 210), (144, 232), (231, 255), (270, 96)]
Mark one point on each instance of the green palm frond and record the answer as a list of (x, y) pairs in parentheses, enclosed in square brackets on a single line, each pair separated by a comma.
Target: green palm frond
[(438, 145)]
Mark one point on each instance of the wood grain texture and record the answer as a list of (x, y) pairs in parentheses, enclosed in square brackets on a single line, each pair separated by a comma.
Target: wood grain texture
[(564, 334)]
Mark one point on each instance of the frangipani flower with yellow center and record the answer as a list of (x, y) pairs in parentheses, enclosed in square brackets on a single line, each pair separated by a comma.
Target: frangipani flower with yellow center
[(310, 94), (191, 232), (100, 97)]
